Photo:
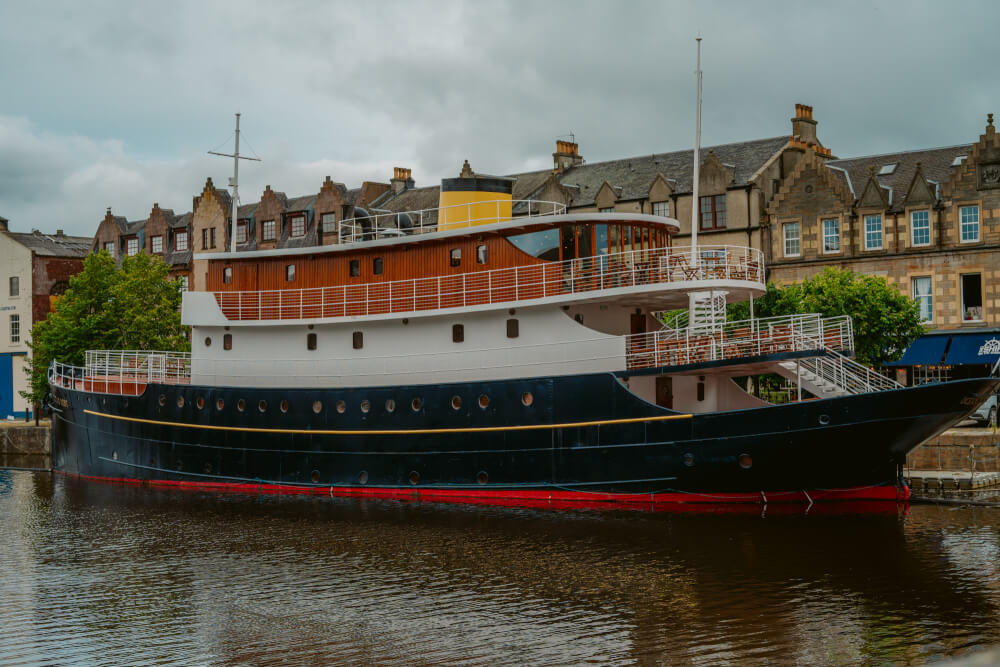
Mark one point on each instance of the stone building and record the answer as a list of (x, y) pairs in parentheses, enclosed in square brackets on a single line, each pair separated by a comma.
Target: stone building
[(927, 220), (36, 270)]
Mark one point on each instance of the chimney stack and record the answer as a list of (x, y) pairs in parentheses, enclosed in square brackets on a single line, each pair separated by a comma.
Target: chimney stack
[(59, 232), (567, 155), (400, 179), (803, 125)]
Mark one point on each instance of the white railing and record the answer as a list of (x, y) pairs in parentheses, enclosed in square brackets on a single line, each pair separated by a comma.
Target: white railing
[(741, 339), (123, 372), (455, 216), (661, 266), (847, 374)]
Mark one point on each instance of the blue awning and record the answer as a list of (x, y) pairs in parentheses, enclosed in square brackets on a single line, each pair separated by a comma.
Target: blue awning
[(974, 349), (924, 351)]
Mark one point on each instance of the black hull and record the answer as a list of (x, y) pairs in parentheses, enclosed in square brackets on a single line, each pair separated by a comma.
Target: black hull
[(581, 437)]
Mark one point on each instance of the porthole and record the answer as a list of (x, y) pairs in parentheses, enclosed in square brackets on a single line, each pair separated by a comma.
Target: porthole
[(208, 341), (284, 406), (484, 401), (219, 404), (456, 402), (241, 405), (341, 407), (689, 460), (414, 477), (527, 398), (746, 461), (416, 404), (824, 419), (390, 405), (262, 406), (163, 399), (200, 402), (363, 477), (317, 406), (366, 405), (208, 468), (180, 401), (114, 455), (482, 477), (315, 476)]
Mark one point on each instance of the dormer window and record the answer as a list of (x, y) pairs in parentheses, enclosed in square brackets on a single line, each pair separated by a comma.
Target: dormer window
[(661, 208), (241, 232), (132, 246), (298, 226), (181, 241), (267, 230), (888, 169), (156, 244)]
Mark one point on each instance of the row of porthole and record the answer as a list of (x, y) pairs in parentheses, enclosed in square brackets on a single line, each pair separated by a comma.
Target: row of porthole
[(745, 460), (416, 404)]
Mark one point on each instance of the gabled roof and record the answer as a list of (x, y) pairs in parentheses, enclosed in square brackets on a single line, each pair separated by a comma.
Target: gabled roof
[(296, 204), (936, 164), (52, 245)]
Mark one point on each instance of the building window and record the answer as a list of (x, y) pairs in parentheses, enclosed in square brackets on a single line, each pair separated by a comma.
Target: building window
[(968, 217), (15, 328), (329, 223), (873, 232), (183, 280), (208, 238), (358, 340), (227, 342), (241, 232), (661, 208), (290, 273), (457, 333), (512, 328), (311, 341), (831, 235), (972, 298), (713, 212), (132, 246), (298, 226), (920, 228), (377, 266), (227, 275), (109, 246), (482, 254), (180, 241), (15, 285), (355, 268), (456, 256), (267, 230), (923, 295), (792, 242), (156, 244), (609, 209)]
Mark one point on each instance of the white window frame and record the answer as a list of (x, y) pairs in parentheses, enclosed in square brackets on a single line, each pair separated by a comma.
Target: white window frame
[(181, 241), (913, 228), (183, 280), (241, 231), (836, 236), (972, 224), (264, 227), (785, 228), (298, 222), (869, 234), (154, 242), (15, 328), (329, 223), (132, 246), (661, 208), (110, 247), (923, 298), (607, 209)]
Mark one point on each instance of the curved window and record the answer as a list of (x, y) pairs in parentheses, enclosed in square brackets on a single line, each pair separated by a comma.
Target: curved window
[(543, 244)]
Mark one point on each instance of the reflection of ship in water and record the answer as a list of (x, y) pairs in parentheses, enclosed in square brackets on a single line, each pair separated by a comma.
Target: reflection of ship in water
[(395, 582)]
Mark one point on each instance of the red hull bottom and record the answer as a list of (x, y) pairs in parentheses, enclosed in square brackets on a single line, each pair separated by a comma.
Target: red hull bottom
[(535, 498)]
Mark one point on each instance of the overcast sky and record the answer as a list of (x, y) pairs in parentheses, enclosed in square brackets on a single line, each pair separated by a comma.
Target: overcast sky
[(116, 103)]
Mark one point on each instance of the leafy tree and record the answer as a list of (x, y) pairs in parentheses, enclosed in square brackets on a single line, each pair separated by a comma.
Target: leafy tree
[(133, 307), (886, 321)]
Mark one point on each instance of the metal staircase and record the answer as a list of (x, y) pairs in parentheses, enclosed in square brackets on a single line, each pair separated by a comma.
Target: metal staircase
[(835, 375), (708, 310)]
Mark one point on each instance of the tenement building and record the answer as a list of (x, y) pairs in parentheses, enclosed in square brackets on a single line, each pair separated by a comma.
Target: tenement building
[(927, 220), (36, 269)]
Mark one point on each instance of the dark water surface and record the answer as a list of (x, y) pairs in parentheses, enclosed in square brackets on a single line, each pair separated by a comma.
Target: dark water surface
[(104, 574)]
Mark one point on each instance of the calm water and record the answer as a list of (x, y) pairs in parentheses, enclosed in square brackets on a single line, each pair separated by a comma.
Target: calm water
[(103, 574)]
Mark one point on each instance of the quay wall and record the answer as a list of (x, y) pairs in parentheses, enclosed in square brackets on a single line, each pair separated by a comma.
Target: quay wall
[(25, 439), (958, 449)]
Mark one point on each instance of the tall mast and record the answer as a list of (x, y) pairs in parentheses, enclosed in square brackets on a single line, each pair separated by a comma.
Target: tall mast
[(695, 203), (234, 182)]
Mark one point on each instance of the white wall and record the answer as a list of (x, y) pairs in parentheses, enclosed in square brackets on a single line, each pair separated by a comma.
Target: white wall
[(15, 260)]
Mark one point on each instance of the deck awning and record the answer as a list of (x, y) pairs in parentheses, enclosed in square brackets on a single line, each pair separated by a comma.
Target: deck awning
[(981, 348), (924, 351)]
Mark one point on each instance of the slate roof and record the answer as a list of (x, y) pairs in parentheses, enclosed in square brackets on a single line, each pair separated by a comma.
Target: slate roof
[(934, 162), (296, 204), (50, 245)]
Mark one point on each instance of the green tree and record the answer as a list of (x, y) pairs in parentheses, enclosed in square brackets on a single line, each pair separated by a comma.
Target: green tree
[(886, 321), (133, 307)]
